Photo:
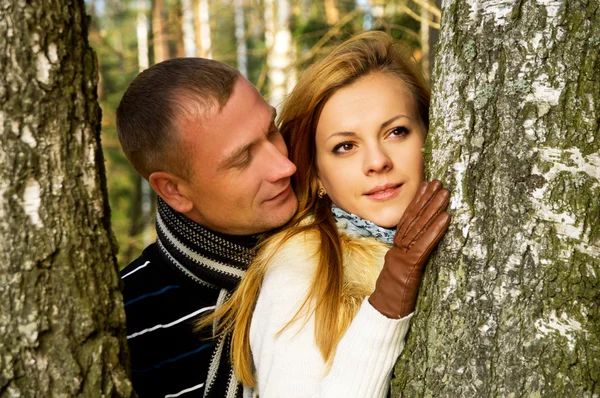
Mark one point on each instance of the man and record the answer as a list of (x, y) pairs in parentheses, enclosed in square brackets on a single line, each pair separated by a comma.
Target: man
[(206, 141)]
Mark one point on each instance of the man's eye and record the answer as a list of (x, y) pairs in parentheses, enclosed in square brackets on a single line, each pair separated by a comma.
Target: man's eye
[(244, 161), (343, 147)]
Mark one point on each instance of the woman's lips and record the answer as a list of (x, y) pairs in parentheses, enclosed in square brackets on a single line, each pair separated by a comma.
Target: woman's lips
[(384, 192)]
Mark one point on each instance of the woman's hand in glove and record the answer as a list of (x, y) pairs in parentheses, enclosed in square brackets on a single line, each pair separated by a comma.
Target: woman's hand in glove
[(421, 228)]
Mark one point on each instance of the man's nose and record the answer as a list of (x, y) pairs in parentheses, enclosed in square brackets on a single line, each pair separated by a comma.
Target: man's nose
[(278, 164), (376, 160)]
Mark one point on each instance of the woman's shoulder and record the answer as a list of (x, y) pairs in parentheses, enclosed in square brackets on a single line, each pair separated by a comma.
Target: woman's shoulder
[(292, 250)]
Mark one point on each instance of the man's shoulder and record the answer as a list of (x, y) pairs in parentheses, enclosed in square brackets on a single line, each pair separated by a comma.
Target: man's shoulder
[(146, 273), (150, 254)]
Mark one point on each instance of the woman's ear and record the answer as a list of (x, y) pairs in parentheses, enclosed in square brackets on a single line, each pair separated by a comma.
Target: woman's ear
[(320, 184), (169, 188), (321, 191)]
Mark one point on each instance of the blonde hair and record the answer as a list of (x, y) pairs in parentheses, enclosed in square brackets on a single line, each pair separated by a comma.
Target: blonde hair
[(364, 54)]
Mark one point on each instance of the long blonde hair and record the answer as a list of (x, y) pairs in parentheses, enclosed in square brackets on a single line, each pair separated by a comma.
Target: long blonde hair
[(359, 56)]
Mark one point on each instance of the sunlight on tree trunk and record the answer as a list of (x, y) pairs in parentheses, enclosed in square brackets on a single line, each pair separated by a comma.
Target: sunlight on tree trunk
[(142, 215), (187, 27), (331, 12), (159, 37), (282, 76), (240, 37), (203, 23), (142, 35)]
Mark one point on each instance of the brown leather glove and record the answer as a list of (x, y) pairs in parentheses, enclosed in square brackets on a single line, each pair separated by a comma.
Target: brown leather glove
[(421, 228)]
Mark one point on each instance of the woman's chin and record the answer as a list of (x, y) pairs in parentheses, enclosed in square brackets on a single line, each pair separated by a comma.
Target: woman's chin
[(388, 219), (386, 222)]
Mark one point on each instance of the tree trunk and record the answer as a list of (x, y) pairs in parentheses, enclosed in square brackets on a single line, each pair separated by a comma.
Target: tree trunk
[(187, 27), (159, 36), (240, 37), (203, 29), (509, 306), (332, 13), (176, 23), (280, 58), (61, 312), (141, 210), (424, 36)]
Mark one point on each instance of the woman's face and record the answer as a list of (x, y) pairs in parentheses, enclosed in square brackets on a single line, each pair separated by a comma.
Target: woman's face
[(369, 138)]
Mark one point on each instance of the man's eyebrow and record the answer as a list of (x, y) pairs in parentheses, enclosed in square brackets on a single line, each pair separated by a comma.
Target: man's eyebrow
[(234, 156)]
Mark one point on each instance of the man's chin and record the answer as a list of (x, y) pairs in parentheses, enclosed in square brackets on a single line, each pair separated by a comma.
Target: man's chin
[(280, 217)]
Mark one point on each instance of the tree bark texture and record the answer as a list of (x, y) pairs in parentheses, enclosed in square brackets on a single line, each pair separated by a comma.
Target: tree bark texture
[(62, 323), (509, 305)]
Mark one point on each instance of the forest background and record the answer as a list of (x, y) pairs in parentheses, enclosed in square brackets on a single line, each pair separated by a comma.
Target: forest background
[(269, 41)]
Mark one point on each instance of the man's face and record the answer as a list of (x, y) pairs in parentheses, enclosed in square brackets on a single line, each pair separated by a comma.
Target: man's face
[(240, 173)]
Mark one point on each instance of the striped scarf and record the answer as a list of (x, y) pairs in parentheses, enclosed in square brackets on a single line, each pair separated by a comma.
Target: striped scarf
[(210, 259)]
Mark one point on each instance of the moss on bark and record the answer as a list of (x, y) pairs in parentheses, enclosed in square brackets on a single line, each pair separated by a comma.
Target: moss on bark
[(509, 305), (61, 312)]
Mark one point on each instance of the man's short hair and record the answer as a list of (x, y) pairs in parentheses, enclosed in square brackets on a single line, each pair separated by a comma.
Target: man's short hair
[(157, 98)]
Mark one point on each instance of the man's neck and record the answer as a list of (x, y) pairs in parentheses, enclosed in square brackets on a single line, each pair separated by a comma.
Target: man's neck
[(216, 258)]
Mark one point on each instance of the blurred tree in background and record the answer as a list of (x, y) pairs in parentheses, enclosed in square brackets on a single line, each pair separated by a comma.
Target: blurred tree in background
[(270, 41)]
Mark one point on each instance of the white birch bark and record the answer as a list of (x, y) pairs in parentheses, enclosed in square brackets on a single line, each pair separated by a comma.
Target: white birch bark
[(203, 18), (142, 34), (510, 305), (62, 321), (281, 57), (240, 37), (189, 39)]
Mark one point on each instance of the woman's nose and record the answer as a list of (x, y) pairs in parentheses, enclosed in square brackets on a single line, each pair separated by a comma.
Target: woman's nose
[(376, 160)]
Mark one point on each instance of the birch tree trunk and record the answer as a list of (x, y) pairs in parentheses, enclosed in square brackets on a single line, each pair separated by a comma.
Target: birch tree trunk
[(282, 76), (240, 37), (61, 312), (159, 37), (332, 13), (203, 27), (187, 27), (509, 306)]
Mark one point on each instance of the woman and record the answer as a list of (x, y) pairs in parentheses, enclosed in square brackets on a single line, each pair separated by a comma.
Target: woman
[(316, 314)]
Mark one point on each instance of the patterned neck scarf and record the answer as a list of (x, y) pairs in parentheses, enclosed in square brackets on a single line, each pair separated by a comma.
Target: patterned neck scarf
[(210, 259), (354, 225)]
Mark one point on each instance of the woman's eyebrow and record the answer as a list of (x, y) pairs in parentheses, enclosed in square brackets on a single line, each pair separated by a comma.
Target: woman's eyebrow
[(387, 123), (341, 133)]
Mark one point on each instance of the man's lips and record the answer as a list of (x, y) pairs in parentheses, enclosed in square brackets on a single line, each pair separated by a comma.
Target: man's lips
[(384, 192), (281, 195)]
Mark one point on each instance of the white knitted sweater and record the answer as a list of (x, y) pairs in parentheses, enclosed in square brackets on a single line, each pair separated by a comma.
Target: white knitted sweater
[(289, 364)]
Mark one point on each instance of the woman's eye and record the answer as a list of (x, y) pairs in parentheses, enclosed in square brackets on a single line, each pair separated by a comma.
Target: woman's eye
[(343, 147), (399, 131)]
